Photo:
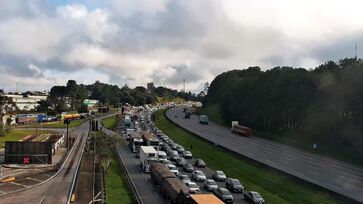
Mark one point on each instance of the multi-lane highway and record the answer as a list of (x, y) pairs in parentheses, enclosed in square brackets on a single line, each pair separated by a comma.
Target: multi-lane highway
[(56, 189), (337, 176)]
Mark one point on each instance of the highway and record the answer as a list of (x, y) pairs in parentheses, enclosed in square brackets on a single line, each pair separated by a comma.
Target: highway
[(56, 189), (337, 176)]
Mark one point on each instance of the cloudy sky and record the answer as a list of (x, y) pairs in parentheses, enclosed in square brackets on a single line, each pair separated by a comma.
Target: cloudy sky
[(45, 43)]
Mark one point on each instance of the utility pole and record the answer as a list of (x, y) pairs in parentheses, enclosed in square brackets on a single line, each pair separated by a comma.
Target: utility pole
[(355, 49), (184, 85)]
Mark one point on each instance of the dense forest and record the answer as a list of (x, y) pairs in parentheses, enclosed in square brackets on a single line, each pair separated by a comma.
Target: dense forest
[(322, 106), (71, 96)]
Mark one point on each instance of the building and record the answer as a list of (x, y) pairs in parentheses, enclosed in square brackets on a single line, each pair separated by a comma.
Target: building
[(26, 101), (150, 87)]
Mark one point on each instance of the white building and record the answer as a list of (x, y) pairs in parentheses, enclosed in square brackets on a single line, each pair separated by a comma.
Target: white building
[(27, 102)]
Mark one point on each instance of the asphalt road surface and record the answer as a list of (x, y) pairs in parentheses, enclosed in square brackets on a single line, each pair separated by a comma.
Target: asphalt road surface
[(56, 189), (337, 176)]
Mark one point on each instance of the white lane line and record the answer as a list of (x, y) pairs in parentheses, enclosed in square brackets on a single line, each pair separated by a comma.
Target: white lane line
[(33, 179), (19, 184)]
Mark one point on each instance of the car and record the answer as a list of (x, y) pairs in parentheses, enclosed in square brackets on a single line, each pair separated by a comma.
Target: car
[(234, 185), (180, 161), (210, 185), (193, 187), (162, 156), (181, 150), (166, 162), (188, 167), (173, 169), (174, 155), (174, 146), (224, 195), (184, 178), (219, 175), (253, 197), (200, 163), (198, 175), (187, 155)]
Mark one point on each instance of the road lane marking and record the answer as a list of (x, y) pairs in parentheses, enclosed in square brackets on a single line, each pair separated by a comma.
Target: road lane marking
[(33, 179), (19, 184)]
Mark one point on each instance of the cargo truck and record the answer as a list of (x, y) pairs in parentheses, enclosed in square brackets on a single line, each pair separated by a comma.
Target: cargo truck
[(240, 130), (23, 119), (150, 140), (204, 199), (135, 143), (203, 119), (148, 155), (175, 191), (159, 173)]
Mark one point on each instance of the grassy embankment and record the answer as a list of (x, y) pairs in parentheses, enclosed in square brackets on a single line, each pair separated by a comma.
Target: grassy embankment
[(109, 122), (273, 186), (294, 139), (117, 188), (16, 135)]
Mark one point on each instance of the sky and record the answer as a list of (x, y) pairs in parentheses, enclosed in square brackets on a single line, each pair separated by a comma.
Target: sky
[(45, 43)]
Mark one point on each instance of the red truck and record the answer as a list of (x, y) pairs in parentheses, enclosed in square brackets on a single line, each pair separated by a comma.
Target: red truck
[(240, 130)]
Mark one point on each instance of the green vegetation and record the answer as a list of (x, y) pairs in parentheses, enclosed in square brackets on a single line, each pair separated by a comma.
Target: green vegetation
[(58, 124), (117, 188), (109, 122), (273, 186), (297, 106), (16, 135)]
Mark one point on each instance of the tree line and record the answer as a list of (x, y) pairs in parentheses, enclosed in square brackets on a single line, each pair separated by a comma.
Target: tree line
[(71, 96), (323, 105)]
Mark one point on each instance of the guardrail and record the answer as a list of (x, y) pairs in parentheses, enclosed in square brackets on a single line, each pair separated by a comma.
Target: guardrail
[(75, 176), (133, 186)]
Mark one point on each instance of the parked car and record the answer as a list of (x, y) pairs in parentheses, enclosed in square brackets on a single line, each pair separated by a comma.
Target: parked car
[(180, 161), (210, 185), (188, 167), (187, 155), (200, 163), (184, 178), (254, 197), (219, 175), (234, 185), (193, 187), (173, 169), (224, 195), (198, 175), (181, 150)]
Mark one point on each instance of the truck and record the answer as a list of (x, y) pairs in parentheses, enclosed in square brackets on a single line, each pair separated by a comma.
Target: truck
[(203, 119), (150, 140), (148, 155), (204, 199), (23, 119), (41, 117), (175, 191), (135, 143), (159, 173), (240, 129)]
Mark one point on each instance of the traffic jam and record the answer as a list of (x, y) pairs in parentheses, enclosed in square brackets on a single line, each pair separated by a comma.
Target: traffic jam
[(180, 177)]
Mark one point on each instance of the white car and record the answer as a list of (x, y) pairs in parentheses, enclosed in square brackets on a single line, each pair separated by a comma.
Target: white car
[(173, 169), (187, 155), (210, 185), (198, 175), (184, 178), (193, 187)]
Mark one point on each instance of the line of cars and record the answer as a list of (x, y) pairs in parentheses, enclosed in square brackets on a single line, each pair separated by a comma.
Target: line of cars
[(177, 156), (193, 172)]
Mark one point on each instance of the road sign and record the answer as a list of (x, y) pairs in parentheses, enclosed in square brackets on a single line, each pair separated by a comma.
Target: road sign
[(67, 122), (26, 160)]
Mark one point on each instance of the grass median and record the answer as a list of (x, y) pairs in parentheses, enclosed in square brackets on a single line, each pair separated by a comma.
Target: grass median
[(275, 187), (117, 188), (109, 122)]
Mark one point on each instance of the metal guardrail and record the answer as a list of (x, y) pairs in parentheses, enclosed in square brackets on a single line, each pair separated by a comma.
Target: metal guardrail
[(75, 176), (133, 186)]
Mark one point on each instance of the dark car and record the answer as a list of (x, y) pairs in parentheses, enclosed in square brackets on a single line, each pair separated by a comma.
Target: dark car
[(254, 197), (234, 185), (188, 167), (224, 195), (200, 163), (180, 161)]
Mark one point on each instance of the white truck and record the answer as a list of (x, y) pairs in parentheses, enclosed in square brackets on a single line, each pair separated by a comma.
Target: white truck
[(148, 155)]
